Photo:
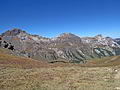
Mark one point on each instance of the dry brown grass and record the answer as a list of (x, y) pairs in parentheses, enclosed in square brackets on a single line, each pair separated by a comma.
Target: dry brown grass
[(18, 73), (104, 62), (59, 78), (19, 62)]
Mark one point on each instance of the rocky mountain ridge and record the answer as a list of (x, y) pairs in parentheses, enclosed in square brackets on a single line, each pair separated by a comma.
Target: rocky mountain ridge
[(67, 46)]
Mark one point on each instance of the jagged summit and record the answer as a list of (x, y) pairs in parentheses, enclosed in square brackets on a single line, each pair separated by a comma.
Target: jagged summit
[(67, 35), (13, 32)]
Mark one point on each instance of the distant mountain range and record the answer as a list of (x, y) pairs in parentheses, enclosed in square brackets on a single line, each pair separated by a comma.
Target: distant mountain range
[(66, 46)]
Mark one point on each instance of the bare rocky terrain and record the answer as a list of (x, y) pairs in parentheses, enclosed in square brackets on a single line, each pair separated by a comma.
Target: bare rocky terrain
[(66, 46)]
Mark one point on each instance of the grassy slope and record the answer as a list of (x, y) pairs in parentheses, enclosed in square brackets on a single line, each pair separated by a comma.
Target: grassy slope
[(18, 73), (104, 62)]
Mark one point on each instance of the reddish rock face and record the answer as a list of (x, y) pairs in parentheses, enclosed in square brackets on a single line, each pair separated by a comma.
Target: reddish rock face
[(13, 32)]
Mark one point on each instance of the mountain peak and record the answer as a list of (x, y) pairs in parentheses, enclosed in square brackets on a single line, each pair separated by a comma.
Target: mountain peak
[(99, 36), (63, 35), (13, 32)]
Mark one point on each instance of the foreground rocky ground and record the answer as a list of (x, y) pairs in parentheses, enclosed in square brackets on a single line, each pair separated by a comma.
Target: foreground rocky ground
[(18, 73)]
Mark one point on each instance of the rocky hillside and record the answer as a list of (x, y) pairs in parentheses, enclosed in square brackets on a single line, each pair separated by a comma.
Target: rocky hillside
[(117, 40), (67, 46)]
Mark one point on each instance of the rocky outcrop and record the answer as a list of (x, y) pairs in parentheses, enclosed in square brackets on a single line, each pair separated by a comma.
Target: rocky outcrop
[(67, 46), (4, 44)]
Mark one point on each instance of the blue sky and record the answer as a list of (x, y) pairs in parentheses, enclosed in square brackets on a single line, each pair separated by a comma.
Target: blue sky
[(53, 17)]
